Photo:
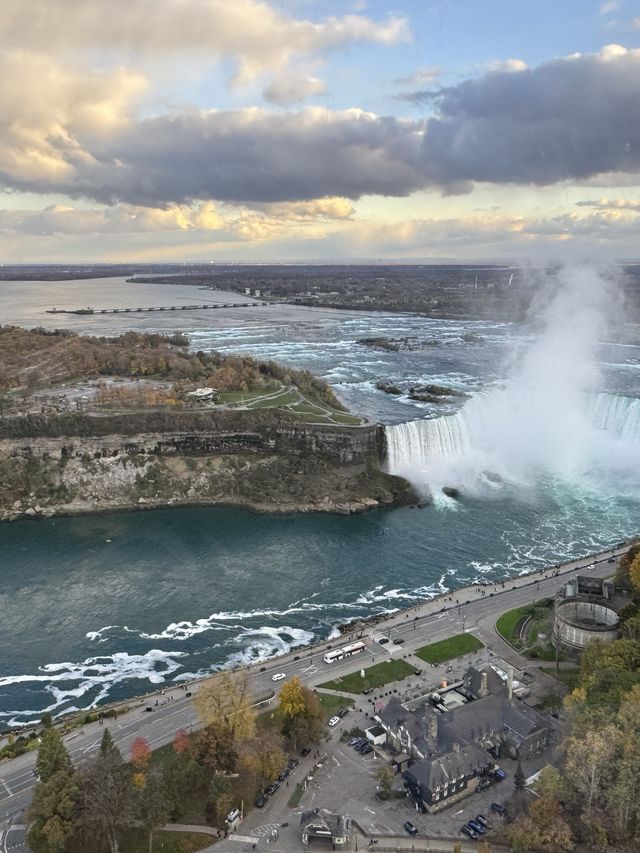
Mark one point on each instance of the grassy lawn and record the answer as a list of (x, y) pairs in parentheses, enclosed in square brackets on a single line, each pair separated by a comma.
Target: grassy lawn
[(375, 676), (332, 704), (166, 842), (283, 399), (453, 647), (508, 625)]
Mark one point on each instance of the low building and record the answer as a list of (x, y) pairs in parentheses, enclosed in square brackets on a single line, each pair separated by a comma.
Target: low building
[(376, 735), (204, 394), (324, 826), (454, 745)]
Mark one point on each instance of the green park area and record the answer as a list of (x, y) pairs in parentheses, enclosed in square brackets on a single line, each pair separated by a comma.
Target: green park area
[(528, 628), (374, 676), (291, 399), (453, 647)]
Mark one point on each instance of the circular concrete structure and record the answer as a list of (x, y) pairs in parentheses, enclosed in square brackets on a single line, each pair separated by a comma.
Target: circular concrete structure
[(578, 621)]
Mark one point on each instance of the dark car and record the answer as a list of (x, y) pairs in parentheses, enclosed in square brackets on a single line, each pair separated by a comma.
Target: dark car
[(366, 749), (498, 808), (305, 751), (284, 774), (410, 828), (293, 762), (343, 712), (273, 787), (499, 774), (261, 801), (468, 831), (398, 641), (480, 818), (360, 746), (477, 827), (383, 640), (148, 708)]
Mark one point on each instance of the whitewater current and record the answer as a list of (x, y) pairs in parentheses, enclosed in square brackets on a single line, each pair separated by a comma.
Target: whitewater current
[(102, 608)]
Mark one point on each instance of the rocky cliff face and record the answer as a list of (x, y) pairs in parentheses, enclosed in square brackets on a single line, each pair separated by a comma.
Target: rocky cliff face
[(266, 461)]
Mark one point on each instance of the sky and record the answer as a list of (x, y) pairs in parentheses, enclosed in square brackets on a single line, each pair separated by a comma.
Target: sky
[(302, 130)]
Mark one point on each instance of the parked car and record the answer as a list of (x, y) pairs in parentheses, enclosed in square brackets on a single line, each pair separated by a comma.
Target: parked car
[(468, 831), (499, 774), (148, 708), (477, 827), (293, 762), (360, 746), (343, 712), (273, 787), (305, 751), (284, 774), (410, 828), (334, 721), (398, 641), (354, 741), (366, 749), (261, 801), (278, 676), (498, 808), (480, 818)]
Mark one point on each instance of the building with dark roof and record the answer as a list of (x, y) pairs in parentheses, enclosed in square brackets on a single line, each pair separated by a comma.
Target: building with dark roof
[(452, 749), (324, 826)]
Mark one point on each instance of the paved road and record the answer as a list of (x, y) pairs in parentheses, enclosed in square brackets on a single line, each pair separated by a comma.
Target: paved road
[(475, 607)]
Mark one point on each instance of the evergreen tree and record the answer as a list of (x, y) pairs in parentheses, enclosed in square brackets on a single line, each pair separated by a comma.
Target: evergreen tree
[(518, 779), (108, 805), (53, 813)]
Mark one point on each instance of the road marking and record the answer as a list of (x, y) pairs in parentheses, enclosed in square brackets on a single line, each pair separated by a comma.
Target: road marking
[(367, 809), (6, 787)]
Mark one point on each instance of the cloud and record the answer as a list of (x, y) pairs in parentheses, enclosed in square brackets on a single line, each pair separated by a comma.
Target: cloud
[(609, 7), (255, 35), (568, 119), (292, 89), (610, 204), (77, 133), (508, 66), (635, 24), (426, 74), (233, 222)]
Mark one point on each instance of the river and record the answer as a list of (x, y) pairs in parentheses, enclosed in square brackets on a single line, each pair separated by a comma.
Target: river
[(101, 608)]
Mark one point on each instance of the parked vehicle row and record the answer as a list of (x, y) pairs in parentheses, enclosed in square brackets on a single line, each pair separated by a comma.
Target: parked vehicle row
[(361, 745), (262, 800)]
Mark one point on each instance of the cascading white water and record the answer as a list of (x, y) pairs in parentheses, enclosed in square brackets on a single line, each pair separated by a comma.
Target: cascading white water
[(542, 422)]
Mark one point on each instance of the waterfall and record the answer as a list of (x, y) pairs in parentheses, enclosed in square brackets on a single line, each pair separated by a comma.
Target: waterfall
[(619, 416), (499, 436)]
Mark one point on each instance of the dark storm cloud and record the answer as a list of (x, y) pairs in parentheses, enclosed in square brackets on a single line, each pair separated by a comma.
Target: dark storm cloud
[(252, 155), (568, 119)]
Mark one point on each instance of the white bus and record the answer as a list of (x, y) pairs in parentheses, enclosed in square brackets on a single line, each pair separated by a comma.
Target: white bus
[(344, 652)]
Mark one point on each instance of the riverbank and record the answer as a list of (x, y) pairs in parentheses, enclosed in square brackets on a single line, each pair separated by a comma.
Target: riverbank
[(401, 619)]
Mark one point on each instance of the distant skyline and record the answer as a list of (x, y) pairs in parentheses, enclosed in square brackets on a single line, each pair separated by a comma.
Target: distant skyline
[(197, 130)]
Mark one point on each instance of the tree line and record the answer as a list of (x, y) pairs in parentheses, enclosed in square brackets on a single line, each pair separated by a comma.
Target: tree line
[(110, 802), (591, 800)]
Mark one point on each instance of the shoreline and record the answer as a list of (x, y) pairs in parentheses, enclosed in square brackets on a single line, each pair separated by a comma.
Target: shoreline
[(438, 603)]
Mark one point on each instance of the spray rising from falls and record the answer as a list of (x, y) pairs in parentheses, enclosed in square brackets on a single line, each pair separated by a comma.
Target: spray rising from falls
[(543, 422)]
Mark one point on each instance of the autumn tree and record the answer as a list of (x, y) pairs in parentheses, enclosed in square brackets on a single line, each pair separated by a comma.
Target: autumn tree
[(140, 753), (53, 813), (543, 828), (588, 761), (301, 712), (226, 704), (264, 757)]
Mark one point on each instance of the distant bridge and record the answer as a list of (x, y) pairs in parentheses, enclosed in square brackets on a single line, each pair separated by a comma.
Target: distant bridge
[(206, 307)]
